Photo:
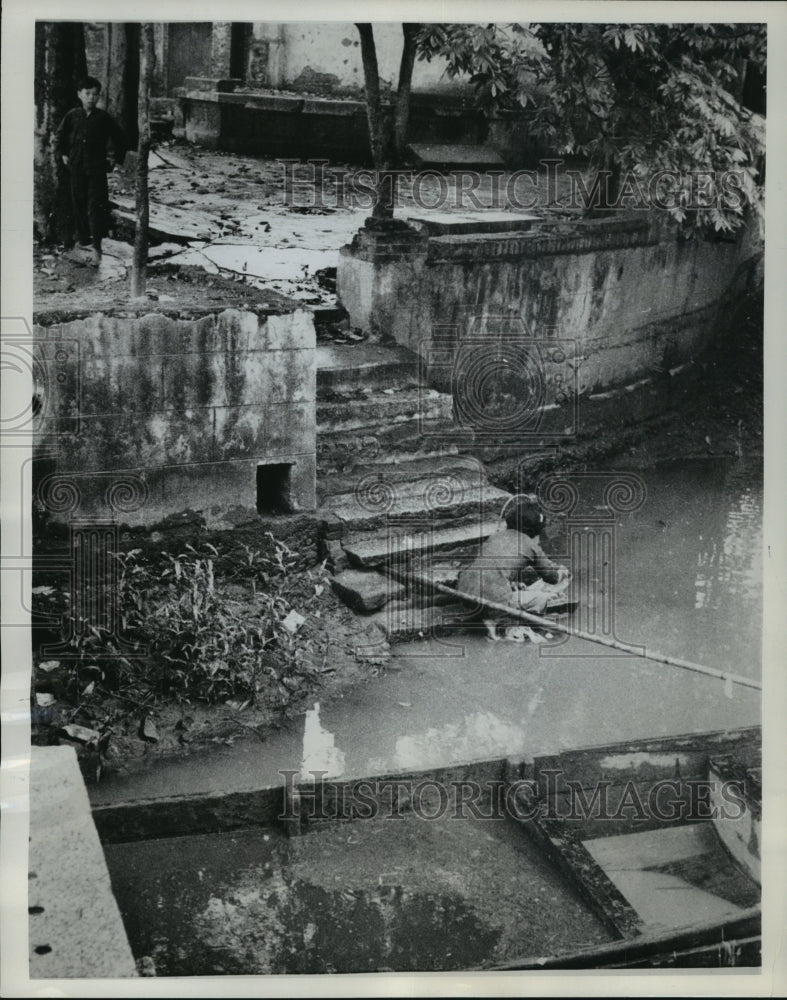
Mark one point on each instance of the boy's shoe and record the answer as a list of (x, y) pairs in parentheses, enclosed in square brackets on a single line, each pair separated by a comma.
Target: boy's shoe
[(96, 258)]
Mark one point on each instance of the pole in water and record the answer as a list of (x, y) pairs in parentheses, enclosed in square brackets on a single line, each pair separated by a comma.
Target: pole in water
[(531, 619)]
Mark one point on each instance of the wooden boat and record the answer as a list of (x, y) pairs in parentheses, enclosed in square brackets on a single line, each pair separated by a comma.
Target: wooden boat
[(654, 840), (668, 855)]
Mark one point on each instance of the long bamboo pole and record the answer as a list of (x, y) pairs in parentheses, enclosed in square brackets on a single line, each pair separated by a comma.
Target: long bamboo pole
[(531, 619)]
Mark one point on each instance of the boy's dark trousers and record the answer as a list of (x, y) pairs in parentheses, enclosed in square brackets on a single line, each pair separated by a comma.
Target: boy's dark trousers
[(90, 200)]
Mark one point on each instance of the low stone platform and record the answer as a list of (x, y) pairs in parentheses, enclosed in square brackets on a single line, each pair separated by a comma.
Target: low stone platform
[(434, 154), (76, 930)]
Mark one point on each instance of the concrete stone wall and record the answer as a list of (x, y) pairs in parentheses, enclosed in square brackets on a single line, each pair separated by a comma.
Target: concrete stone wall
[(143, 418), (325, 58), (626, 295)]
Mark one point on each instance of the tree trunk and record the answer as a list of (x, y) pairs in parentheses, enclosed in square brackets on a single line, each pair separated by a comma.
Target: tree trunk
[(59, 62), (140, 262), (402, 115), (122, 76), (378, 138)]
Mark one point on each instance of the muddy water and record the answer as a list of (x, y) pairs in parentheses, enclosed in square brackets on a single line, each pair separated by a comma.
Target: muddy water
[(689, 565), (687, 583)]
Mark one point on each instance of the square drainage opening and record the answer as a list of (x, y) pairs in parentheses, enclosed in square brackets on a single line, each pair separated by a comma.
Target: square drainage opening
[(273, 489)]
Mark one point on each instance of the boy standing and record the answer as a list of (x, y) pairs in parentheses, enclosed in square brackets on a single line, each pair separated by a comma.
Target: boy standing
[(90, 143)]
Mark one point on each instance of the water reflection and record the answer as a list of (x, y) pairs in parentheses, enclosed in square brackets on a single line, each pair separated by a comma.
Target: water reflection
[(320, 752), (729, 564), (689, 564), (478, 735)]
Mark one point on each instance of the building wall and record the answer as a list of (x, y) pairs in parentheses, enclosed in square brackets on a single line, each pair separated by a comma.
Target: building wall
[(181, 411), (325, 58), (628, 296)]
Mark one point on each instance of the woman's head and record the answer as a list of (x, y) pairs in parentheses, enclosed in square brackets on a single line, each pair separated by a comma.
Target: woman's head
[(523, 513)]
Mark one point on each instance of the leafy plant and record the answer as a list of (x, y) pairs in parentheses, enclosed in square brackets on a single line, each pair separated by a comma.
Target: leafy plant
[(635, 99), (182, 633)]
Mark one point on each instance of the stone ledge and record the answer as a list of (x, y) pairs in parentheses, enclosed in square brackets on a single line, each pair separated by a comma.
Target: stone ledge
[(76, 930), (573, 238), (272, 102)]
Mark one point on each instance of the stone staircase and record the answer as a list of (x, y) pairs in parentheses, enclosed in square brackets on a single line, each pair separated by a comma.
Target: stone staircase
[(392, 486)]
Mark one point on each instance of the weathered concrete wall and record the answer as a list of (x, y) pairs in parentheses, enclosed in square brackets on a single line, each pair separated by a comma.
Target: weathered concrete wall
[(325, 58), (628, 295), (145, 417)]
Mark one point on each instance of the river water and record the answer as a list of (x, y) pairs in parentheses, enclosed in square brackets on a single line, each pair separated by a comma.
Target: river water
[(687, 583)]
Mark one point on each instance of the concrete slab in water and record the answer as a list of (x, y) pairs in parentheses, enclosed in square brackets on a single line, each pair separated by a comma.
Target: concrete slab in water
[(75, 926)]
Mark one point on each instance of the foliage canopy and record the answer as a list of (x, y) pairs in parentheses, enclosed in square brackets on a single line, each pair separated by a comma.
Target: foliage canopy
[(634, 99)]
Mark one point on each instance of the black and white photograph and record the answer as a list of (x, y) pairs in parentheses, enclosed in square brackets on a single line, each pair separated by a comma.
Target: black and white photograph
[(393, 542)]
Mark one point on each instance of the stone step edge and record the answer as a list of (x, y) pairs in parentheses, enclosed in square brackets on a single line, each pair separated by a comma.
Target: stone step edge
[(419, 468), (374, 552)]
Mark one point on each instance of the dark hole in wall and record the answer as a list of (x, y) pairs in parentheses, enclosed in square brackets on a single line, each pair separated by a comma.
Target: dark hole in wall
[(273, 489)]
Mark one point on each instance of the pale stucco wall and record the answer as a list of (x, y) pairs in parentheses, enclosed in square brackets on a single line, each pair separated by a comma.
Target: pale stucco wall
[(326, 57)]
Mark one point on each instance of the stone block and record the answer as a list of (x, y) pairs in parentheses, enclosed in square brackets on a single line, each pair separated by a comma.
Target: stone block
[(274, 102), (366, 591), (290, 430), (203, 120), (282, 376), (303, 480), (210, 84), (75, 927), (122, 441), (336, 556), (455, 155), (153, 393), (239, 432), (322, 106), (290, 332)]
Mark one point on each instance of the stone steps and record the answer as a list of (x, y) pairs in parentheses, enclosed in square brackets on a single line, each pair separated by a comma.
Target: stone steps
[(402, 470), (383, 428), (433, 490), (393, 486), (419, 621), (392, 406), (343, 369), (370, 550)]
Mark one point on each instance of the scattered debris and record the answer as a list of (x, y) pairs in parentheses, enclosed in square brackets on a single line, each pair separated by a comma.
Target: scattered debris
[(293, 622)]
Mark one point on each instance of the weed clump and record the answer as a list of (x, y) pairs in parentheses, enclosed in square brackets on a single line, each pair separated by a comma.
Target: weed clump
[(198, 625)]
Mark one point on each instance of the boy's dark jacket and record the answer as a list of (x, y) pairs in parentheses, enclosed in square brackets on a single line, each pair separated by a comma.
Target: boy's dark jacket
[(85, 140)]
